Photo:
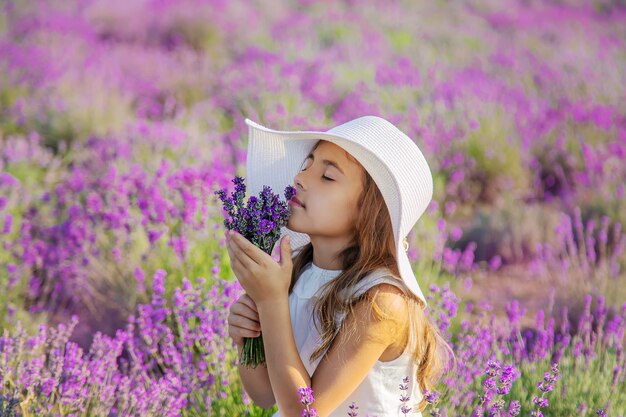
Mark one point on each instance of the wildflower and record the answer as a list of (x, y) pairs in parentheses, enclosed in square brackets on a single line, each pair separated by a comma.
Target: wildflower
[(514, 408), (431, 397), (259, 221), (404, 398), (306, 399), (541, 401), (495, 408), (493, 368), (353, 410), (545, 386), (306, 395)]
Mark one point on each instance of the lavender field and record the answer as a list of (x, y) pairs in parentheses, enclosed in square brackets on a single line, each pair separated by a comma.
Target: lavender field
[(120, 118)]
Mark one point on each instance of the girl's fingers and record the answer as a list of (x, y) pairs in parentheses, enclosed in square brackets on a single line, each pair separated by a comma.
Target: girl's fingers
[(248, 301), (238, 265), (235, 266), (240, 326), (244, 310), (244, 323), (255, 256), (241, 333), (250, 333), (236, 252)]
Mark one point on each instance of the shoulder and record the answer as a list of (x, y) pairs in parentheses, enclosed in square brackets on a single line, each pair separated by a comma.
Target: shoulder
[(388, 302), (379, 316)]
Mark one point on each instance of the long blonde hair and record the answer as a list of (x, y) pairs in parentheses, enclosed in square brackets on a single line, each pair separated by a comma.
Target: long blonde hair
[(373, 247)]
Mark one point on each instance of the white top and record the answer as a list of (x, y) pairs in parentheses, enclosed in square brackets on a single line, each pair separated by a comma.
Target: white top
[(379, 393)]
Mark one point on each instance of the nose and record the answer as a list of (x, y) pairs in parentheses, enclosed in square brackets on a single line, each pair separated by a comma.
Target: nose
[(298, 181)]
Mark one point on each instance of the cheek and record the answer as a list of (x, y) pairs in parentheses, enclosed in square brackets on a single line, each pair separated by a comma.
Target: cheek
[(342, 209)]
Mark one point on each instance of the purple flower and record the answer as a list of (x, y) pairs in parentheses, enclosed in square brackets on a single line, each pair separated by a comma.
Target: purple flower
[(489, 383), (515, 407), (404, 398), (259, 221), (495, 408), (262, 217), (306, 399), (306, 395), (353, 410), (432, 397), (541, 401)]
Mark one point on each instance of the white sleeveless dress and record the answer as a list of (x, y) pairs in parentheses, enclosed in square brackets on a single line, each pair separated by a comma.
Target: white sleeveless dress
[(379, 393)]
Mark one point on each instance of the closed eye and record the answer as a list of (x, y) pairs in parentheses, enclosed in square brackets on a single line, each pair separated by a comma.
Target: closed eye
[(323, 176)]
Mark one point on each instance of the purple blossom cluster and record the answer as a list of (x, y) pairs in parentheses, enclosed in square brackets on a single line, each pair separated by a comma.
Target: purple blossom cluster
[(260, 221), (545, 386), (446, 309), (170, 357), (595, 339), (404, 396), (306, 399), (70, 240), (262, 217), (432, 398), (495, 387)]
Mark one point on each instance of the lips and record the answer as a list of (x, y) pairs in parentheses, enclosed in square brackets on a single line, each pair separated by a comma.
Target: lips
[(296, 201)]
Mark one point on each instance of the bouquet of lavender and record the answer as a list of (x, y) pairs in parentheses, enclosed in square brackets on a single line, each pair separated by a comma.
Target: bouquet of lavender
[(259, 222)]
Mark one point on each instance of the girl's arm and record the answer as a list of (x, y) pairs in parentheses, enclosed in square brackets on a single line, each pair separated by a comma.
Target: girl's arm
[(243, 321), (257, 384), (285, 368), (347, 362)]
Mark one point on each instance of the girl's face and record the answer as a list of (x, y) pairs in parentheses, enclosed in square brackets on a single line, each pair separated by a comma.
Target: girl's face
[(328, 186)]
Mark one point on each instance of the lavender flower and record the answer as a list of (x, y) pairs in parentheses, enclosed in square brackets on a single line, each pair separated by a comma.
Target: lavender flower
[(306, 399), (541, 402), (432, 398), (261, 219), (515, 408), (8, 406), (545, 386), (498, 382), (168, 359), (404, 398), (353, 410), (260, 222)]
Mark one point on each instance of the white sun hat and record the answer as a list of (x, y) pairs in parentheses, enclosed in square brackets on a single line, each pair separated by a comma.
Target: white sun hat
[(391, 158)]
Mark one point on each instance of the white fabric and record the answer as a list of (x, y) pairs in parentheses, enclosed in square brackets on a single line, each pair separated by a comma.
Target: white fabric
[(379, 393), (392, 159)]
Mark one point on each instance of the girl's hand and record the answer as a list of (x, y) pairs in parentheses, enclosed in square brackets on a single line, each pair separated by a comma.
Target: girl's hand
[(243, 320), (261, 276)]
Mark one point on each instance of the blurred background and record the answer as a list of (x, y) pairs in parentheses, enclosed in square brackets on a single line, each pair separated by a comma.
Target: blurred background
[(119, 119)]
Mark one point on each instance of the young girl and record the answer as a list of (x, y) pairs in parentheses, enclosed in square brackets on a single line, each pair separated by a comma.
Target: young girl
[(342, 312)]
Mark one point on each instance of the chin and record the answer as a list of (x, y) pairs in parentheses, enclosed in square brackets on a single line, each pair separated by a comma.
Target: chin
[(294, 227)]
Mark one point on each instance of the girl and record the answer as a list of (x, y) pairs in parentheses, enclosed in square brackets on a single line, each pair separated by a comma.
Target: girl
[(342, 311)]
